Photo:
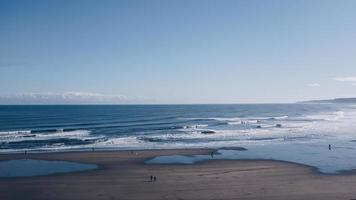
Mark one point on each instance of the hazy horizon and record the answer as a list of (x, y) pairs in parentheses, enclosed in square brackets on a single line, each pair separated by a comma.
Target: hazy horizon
[(176, 52)]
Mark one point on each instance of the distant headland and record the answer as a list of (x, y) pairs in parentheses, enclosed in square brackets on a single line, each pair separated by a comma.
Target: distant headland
[(336, 100)]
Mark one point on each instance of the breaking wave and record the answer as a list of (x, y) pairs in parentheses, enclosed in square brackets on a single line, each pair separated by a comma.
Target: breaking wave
[(177, 128)]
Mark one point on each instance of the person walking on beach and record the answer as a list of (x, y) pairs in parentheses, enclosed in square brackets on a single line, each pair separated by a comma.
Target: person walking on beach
[(151, 178), (212, 154), (154, 178), (329, 146)]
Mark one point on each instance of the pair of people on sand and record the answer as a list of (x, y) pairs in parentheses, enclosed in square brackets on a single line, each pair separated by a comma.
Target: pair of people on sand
[(153, 178)]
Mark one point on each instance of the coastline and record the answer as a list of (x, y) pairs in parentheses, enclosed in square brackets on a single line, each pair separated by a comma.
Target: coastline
[(124, 175)]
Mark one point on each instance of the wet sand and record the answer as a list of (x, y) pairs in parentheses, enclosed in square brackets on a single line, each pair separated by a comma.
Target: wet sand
[(123, 175)]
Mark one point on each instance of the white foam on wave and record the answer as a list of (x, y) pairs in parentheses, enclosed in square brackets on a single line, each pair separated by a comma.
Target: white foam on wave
[(202, 135), (269, 118), (222, 119), (17, 133), (338, 124), (243, 120), (294, 129), (281, 117), (192, 136), (235, 123), (226, 119), (19, 136), (195, 126), (7, 136), (183, 140), (334, 116)]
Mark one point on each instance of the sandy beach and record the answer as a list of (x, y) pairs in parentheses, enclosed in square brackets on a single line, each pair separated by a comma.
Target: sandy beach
[(123, 175)]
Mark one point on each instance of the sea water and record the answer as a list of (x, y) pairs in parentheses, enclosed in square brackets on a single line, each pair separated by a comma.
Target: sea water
[(29, 167), (292, 132)]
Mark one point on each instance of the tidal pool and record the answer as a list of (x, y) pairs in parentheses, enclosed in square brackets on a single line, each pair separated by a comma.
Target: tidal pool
[(340, 158), (29, 167)]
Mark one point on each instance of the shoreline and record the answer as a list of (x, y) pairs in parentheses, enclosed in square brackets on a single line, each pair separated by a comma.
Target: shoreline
[(124, 175), (161, 152)]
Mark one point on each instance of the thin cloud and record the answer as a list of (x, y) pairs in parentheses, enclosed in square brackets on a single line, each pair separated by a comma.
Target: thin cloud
[(69, 98), (313, 85), (346, 79)]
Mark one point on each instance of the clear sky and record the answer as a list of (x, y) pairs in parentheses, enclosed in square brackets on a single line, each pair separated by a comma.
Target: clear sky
[(177, 51)]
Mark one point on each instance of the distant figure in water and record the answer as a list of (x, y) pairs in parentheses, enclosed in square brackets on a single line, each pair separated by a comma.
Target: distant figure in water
[(151, 178), (25, 152), (329, 146), (212, 154), (92, 149), (154, 178)]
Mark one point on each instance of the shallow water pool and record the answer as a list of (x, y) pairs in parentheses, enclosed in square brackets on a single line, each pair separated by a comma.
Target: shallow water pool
[(29, 167), (341, 158)]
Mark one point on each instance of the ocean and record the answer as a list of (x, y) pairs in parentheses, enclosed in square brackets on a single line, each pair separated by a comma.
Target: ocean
[(318, 135), (63, 128)]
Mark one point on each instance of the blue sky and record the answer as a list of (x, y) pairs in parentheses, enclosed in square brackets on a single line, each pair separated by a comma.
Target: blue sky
[(177, 51)]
